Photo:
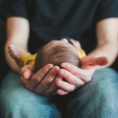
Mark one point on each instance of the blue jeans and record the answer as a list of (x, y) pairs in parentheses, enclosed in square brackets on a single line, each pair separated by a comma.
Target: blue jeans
[(96, 99)]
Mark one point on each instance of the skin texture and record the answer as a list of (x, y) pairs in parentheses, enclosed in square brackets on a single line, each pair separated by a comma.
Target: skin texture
[(56, 52), (18, 35), (107, 38)]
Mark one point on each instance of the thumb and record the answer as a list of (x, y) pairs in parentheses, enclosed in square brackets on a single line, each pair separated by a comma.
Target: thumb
[(26, 71), (101, 61), (27, 74), (94, 61)]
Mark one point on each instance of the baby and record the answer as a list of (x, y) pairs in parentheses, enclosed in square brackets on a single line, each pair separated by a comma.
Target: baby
[(55, 52)]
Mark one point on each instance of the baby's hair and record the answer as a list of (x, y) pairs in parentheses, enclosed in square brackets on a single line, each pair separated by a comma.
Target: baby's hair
[(56, 56)]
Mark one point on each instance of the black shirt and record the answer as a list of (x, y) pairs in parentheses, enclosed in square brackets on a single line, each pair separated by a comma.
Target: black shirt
[(50, 19)]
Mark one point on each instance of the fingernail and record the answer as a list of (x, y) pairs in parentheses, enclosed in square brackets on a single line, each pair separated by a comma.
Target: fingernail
[(63, 64), (56, 68), (27, 74)]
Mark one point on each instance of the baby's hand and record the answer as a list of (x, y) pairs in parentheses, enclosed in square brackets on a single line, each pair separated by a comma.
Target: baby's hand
[(14, 52), (75, 43)]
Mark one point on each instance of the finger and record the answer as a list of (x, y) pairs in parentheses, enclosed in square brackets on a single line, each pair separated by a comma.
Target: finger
[(41, 73), (38, 77), (26, 71), (61, 92), (93, 61), (74, 69), (53, 86), (47, 81), (102, 61), (65, 85), (72, 79), (27, 74), (28, 83), (75, 43), (81, 74), (64, 40)]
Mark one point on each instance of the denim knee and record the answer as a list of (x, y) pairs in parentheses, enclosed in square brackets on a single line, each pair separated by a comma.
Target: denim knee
[(105, 84), (105, 79), (19, 102), (96, 99)]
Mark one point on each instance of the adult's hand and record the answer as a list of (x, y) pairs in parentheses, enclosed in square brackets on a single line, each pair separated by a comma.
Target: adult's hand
[(76, 77), (42, 82)]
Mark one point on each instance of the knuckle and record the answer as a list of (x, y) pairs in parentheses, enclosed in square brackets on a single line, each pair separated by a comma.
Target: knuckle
[(76, 73), (37, 79), (45, 70), (57, 82), (67, 76), (48, 66), (75, 80)]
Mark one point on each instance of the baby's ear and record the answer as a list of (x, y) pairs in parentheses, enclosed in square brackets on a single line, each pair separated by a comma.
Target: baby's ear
[(93, 61)]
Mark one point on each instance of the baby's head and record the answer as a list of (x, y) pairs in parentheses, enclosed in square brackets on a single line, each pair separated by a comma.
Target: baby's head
[(56, 52)]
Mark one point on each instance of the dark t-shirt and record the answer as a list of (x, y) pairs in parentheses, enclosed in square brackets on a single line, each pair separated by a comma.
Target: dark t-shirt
[(50, 19)]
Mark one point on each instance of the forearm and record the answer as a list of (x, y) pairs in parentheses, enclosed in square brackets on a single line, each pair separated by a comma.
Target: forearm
[(17, 34), (107, 38), (11, 62), (109, 50)]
